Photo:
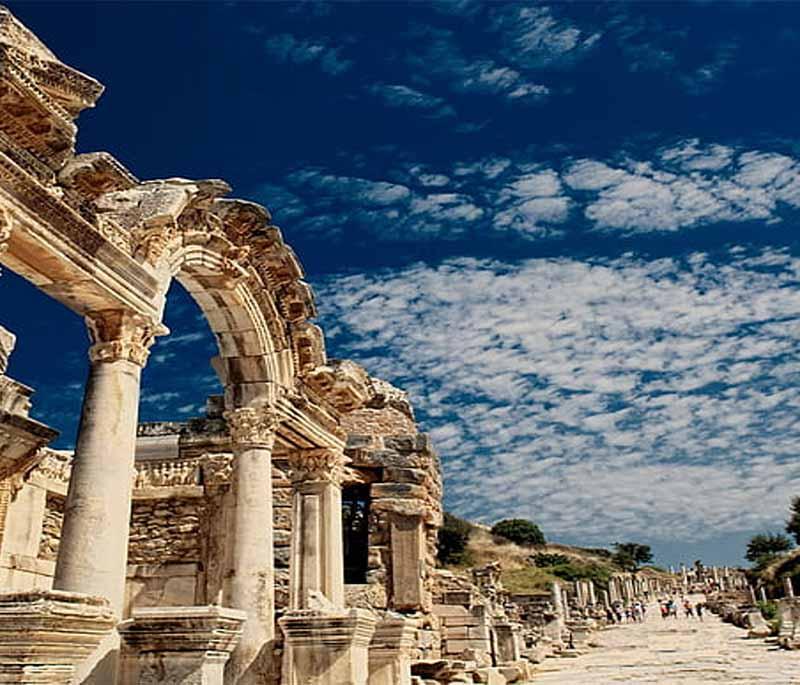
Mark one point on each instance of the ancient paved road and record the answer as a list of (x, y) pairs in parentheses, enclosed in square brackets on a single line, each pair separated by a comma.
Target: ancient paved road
[(680, 651)]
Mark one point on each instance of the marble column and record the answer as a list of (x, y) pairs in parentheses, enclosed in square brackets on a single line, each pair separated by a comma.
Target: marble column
[(93, 553), (788, 587), (252, 582), (317, 557)]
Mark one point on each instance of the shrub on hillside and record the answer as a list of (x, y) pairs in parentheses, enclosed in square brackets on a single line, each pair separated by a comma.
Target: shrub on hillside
[(453, 539), (575, 570), (521, 531), (542, 559)]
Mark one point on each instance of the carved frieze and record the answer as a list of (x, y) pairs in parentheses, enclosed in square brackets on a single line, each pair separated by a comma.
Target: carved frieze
[(324, 464), (119, 335)]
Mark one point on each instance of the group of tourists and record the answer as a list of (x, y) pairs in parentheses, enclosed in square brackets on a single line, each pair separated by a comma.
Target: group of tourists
[(633, 613), (671, 609)]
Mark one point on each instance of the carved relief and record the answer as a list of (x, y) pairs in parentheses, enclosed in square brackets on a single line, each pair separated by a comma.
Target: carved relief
[(217, 468), (325, 464), (153, 241), (161, 474), (119, 335), (5, 230), (252, 427)]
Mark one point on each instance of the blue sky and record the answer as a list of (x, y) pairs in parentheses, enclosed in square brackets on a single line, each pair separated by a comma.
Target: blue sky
[(569, 230)]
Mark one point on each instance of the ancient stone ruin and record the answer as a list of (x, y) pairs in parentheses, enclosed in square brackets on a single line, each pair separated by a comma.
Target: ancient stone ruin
[(286, 536)]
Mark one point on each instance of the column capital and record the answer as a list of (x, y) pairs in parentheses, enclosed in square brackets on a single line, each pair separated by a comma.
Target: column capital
[(121, 335), (251, 426), (322, 464)]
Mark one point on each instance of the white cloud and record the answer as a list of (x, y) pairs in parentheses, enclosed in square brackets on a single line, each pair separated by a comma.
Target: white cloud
[(404, 97), (606, 399), (684, 185), (288, 49), (534, 37)]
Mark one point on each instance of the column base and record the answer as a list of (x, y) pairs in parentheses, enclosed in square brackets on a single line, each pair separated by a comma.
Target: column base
[(178, 645), (327, 648), (390, 651), (45, 634)]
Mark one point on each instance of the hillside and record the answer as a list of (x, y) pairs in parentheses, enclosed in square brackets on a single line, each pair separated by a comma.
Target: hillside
[(531, 570)]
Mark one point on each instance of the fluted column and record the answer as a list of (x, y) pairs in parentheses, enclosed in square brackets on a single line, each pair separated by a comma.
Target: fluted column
[(317, 558), (93, 552), (252, 586)]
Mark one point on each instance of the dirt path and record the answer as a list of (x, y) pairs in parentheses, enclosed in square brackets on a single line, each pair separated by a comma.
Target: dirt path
[(677, 651)]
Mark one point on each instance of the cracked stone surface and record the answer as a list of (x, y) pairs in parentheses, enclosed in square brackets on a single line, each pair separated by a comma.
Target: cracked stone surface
[(681, 650)]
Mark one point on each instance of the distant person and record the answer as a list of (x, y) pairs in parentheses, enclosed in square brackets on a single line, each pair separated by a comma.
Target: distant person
[(664, 610), (699, 609), (687, 609)]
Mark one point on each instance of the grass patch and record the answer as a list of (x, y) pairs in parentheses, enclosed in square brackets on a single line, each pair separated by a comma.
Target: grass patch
[(530, 580)]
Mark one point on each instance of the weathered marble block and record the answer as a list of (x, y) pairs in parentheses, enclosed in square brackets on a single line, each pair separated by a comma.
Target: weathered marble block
[(45, 634), (390, 651), (179, 645), (328, 648)]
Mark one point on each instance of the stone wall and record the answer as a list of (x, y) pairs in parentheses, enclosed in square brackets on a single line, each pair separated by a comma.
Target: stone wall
[(166, 530), (405, 509)]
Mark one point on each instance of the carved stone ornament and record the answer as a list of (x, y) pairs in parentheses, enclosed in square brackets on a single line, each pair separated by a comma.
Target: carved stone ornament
[(120, 335), (326, 464), (251, 426), (154, 241), (5, 230), (217, 468)]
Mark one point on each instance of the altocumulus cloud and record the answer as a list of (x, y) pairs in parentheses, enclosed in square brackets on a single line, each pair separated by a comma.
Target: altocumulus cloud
[(681, 185), (611, 398)]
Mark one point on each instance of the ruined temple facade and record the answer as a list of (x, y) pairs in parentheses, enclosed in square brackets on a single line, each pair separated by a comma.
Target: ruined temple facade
[(287, 536)]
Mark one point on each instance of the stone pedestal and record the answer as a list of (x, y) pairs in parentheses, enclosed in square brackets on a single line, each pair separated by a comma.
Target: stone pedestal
[(327, 649), (44, 635), (509, 642), (179, 645), (252, 584), (390, 652)]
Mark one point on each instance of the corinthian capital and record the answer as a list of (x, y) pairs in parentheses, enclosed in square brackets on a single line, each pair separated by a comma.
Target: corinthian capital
[(120, 335), (250, 426), (326, 464)]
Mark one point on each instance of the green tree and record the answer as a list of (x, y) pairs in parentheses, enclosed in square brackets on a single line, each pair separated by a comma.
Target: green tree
[(630, 555), (521, 531), (453, 539), (766, 546), (793, 524)]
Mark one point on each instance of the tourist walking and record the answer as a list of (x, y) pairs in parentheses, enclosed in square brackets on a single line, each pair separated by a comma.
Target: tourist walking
[(699, 609)]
